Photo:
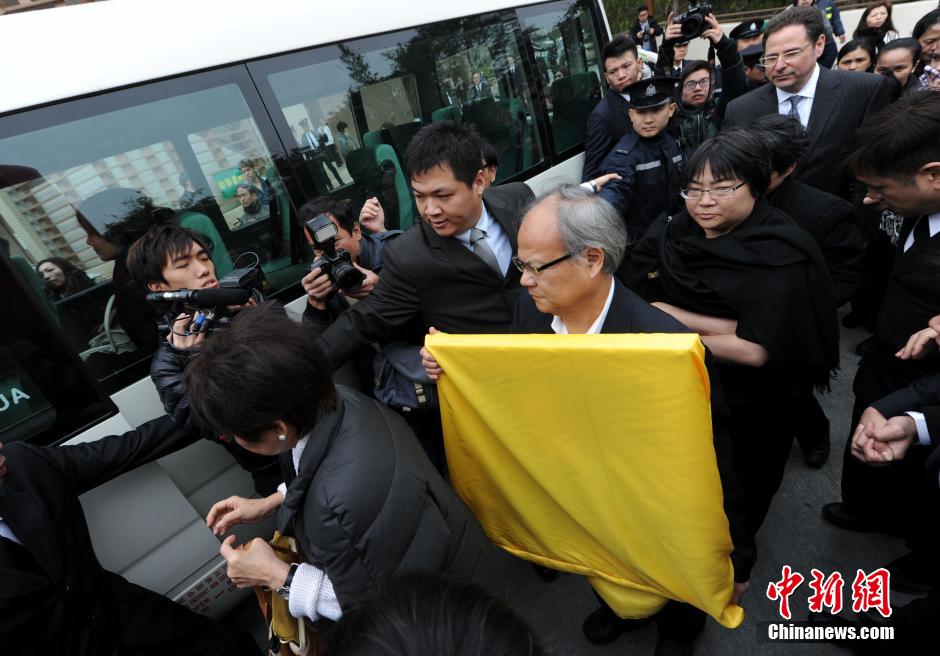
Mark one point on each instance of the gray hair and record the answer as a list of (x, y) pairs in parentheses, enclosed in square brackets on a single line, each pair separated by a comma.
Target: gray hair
[(587, 221)]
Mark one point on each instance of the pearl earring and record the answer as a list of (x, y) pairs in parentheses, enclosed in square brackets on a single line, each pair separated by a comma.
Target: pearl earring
[(282, 438)]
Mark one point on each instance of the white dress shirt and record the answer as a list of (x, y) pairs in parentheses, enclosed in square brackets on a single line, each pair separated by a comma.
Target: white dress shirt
[(808, 93), (7, 532), (560, 328), (311, 591), (496, 238), (933, 226)]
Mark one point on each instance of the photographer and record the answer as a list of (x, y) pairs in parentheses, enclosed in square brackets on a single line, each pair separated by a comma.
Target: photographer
[(700, 111), (170, 258)]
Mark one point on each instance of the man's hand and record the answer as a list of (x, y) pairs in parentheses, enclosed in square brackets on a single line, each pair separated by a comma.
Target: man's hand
[(598, 183), (673, 30), (870, 421), (178, 337), (253, 564), (891, 441), (318, 286), (713, 32), (922, 342), (372, 216), (841, 38), (639, 36), (367, 285), (431, 366), (238, 510)]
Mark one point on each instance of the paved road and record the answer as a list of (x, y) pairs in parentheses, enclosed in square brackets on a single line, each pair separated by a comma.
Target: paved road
[(794, 534)]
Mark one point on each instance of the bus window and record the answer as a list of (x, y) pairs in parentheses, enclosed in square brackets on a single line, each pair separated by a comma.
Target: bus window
[(567, 60), (351, 109), (117, 164), (44, 396)]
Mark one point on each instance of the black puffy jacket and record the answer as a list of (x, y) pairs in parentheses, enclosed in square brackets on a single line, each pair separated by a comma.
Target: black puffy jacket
[(368, 504)]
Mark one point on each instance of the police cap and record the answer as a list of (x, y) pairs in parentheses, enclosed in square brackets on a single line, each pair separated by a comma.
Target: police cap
[(652, 92), (748, 29)]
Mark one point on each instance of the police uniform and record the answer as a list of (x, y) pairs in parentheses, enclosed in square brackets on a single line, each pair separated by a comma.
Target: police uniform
[(748, 29), (649, 167), (751, 57)]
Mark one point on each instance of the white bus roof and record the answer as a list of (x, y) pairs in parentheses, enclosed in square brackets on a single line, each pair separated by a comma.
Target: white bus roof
[(81, 49)]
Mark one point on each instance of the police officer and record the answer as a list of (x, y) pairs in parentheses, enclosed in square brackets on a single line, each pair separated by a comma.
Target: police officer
[(753, 69), (748, 33), (648, 160)]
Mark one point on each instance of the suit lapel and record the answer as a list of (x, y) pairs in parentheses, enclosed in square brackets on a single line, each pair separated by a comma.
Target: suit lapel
[(459, 255), (619, 317), (827, 97), (32, 527)]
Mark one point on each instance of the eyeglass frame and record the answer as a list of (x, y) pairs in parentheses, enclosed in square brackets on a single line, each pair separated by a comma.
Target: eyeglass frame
[(536, 271), (689, 85), (788, 57), (684, 192)]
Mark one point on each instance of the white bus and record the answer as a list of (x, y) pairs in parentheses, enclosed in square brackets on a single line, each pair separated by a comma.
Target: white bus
[(169, 98)]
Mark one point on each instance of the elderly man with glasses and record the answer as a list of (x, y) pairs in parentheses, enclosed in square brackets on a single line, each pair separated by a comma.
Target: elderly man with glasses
[(570, 244), (830, 104)]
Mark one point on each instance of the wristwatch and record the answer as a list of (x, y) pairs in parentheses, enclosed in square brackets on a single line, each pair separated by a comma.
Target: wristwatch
[(284, 590)]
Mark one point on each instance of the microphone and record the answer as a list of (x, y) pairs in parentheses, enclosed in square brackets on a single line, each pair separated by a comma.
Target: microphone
[(205, 297)]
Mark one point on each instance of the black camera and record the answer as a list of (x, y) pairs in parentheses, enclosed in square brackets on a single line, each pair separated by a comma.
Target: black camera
[(336, 264), (693, 21)]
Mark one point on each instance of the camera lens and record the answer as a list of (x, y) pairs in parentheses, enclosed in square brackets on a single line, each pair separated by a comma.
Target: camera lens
[(693, 26), (347, 277)]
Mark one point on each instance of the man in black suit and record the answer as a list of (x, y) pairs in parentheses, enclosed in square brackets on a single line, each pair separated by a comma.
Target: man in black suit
[(479, 87), (452, 270), (896, 155), (829, 104), (609, 121), (570, 244), (645, 29), (55, 597)]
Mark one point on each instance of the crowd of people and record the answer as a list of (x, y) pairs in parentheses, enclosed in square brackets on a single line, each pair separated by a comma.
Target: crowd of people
[(745, 201)]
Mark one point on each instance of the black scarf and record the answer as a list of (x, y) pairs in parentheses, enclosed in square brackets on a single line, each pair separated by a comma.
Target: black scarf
[(767, 273)]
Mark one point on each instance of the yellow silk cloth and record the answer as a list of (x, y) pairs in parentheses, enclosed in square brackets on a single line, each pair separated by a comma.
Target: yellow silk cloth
[(593, 454)]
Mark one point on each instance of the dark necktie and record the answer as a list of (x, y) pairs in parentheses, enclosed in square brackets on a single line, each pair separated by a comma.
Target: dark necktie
[(794, 107), (482, 250)]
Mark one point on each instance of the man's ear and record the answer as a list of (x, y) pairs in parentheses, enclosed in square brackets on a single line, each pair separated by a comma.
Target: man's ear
[(479, 182), (158, 286), (595, 259), (820, 45)]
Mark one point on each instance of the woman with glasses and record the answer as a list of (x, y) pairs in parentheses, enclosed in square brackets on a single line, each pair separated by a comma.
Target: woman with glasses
[(755, 286)]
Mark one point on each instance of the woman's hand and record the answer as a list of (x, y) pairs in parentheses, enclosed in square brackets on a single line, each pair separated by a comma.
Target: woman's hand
[(238, 510), (253, 564)]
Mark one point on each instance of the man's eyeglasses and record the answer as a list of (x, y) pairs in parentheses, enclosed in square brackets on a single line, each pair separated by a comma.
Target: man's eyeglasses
[(691, 84), (717, 192), (788, 57), (534, 271)]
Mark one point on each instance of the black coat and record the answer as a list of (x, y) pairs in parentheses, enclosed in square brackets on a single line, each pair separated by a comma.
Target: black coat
[(367, 503), (428, 280), (923, 395), (629, 313), (657, 31), (842, 101), (65, 600), (607, 124), (831, 221)]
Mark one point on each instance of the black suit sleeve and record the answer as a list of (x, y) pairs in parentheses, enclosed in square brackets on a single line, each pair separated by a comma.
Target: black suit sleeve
[(598, 142), (842, 247), (380, 317), (923, 395), (86, 466), (733, 79)]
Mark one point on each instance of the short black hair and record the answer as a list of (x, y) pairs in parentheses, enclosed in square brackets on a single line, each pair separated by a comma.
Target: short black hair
[(735, 153), (906, 43), (867, 45), (246, 163), (327, 204), (695, 65), (926, 21), (147, 256), (342, 125), (616, 47), (250, 187), (490, 154), (784, 137), (425, 613), (262, 368), (897, 141), (455, 145), (809, 17), (641, 8)]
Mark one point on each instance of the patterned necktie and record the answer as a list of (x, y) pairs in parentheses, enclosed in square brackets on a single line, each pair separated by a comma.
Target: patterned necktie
[(482, 250), (794, 105)]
